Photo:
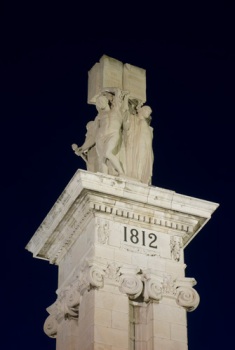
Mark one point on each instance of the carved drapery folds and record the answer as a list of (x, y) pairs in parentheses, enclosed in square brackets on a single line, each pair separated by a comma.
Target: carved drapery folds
[(118, 140), (133, 281)]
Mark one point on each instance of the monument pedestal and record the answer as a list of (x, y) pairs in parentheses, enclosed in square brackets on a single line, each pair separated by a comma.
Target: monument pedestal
[(119, 246)]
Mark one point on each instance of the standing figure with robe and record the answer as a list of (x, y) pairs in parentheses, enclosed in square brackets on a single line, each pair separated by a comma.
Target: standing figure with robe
[(138, 136), (108, 133)]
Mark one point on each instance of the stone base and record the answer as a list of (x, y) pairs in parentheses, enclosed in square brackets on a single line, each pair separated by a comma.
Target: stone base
[(119, 247)]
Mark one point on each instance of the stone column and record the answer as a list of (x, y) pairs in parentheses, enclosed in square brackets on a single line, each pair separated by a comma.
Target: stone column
[(119, 248)]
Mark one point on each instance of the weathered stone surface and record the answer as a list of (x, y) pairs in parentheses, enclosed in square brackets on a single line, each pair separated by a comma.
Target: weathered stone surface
[(119, 247), (118, 241)]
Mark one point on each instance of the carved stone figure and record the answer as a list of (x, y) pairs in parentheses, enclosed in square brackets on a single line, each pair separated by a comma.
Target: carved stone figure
[(108, 132), (119, 140), (138, 136), (88, 151)]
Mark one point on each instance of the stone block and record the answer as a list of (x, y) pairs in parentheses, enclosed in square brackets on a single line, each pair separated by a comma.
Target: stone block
[(112, 302), (97, 346), (169, 313), (141, 332), (111, 73), (104, 251), (139, 260), (134, 80), (165, 344), (110, 336), (140, 345), (103, 317), (179, 333), (122, 256), (175, 268), (162, 329), (103, 75), (85, 337), (120, 320), (86, 308), (156, 262)]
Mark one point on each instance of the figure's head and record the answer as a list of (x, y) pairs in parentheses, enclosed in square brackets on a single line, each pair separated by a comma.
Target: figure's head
[(102, 102), (145, 112)]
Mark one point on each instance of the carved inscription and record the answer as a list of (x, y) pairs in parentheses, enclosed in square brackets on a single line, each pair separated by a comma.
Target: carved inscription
[(140, 237)]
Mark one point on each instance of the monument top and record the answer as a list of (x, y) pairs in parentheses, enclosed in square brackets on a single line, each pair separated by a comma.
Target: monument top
[(119, 140)]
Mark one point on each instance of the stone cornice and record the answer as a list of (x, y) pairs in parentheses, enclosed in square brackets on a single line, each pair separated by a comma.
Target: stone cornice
[(89, 193)]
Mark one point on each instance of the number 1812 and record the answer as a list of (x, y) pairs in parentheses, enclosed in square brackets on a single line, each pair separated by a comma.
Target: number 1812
[(143, 238)]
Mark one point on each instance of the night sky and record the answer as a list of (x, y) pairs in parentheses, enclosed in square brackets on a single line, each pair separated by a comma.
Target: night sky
[(45, 54)]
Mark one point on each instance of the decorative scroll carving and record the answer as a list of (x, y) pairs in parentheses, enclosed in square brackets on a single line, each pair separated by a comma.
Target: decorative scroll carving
[(156, 287), (131, 283), (96, 276), (65, 307), (130, 280), (188, 298), (50, 326), (152, 287), (72, 300)]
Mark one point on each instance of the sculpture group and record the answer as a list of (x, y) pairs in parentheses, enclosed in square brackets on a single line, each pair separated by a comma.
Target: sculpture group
[(119, 139)]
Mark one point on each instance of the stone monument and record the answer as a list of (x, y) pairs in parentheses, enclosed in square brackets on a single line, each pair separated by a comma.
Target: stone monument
[(119, 140), (119, 241)]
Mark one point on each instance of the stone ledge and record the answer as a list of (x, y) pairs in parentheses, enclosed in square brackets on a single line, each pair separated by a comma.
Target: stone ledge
[(118, 197)]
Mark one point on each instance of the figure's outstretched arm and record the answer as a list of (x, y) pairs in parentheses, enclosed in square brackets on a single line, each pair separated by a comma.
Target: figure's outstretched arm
[(79, 152), (88, 143)]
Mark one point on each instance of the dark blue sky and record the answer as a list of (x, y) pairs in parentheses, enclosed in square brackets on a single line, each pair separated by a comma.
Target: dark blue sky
[(189, 57)]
